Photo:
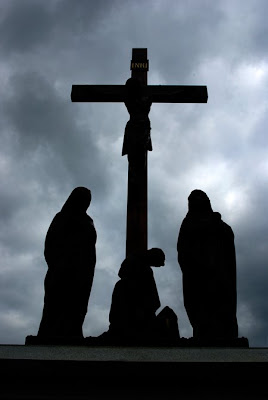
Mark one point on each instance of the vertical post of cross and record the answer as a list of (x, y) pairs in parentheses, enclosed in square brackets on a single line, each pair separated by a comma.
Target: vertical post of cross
[(136, 235)]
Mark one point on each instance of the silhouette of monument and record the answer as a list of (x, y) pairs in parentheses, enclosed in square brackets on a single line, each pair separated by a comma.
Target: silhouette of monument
[(71, 257), (63, 316), (206, 255)]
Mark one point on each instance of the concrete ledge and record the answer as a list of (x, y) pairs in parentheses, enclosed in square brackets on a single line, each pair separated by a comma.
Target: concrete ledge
[(81, 369), (133, 354), (107, 340)]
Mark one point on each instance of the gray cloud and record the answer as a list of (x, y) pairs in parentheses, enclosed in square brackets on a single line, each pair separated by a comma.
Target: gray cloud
[(25, 25)]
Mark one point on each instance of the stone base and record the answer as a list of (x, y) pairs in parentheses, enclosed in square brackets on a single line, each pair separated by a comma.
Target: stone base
[(105, 340), (50, 372)]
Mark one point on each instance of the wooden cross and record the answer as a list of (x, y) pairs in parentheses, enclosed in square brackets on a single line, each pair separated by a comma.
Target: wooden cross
[(136, 231)]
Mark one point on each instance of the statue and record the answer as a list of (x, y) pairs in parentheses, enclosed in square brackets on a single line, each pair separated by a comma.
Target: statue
[(206, 255), (71, 257), (137, 138), (135, 297)]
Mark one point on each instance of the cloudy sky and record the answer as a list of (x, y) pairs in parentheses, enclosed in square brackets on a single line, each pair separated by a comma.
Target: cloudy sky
[(50, 145)]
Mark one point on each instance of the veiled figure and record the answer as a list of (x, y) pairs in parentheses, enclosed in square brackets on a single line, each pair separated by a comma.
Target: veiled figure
[(70, 254), (206, 255), (135, 297)]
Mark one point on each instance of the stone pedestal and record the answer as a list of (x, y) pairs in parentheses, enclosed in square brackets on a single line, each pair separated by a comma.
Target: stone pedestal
[(104, 372), (106, 340)]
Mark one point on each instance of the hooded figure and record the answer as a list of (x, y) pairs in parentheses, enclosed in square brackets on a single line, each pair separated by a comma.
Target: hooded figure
[(135, 297), (206, 255), (71, 257)]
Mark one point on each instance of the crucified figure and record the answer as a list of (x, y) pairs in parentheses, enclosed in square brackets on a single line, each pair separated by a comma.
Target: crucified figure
[(137, 138)]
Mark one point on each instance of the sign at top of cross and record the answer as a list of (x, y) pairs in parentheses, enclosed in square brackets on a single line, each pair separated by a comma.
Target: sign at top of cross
[(158, 93), (137, 139)]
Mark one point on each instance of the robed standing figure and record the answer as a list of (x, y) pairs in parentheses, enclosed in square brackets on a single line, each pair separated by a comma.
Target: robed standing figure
[(206, 255), (70, 254)]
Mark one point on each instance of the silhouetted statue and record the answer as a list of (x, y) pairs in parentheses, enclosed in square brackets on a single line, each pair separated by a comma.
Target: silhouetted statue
[(135, 297), (167, 325), (137, 138), (71, 257), (206, 255)]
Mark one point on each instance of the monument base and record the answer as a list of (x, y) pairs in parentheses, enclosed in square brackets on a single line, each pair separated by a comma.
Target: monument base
[(106, 340), (121, 372)]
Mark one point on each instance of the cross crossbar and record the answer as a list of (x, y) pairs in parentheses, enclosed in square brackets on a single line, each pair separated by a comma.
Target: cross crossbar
[(158, 93)]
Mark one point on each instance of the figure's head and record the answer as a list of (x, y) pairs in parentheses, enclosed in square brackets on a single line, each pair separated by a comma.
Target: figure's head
[(78, 201), (198, 202), (156, 257), (134, 87)]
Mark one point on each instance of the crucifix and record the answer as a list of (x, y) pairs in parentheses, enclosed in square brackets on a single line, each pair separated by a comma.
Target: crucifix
[(138, 97)]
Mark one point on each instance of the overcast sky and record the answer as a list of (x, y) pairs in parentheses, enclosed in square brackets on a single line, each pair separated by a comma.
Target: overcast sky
[(50, 145)]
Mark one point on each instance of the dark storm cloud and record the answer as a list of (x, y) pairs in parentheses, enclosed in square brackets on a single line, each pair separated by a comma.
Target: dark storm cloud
[(43, 125), (27, 25), (24, 26), (196, 20)]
